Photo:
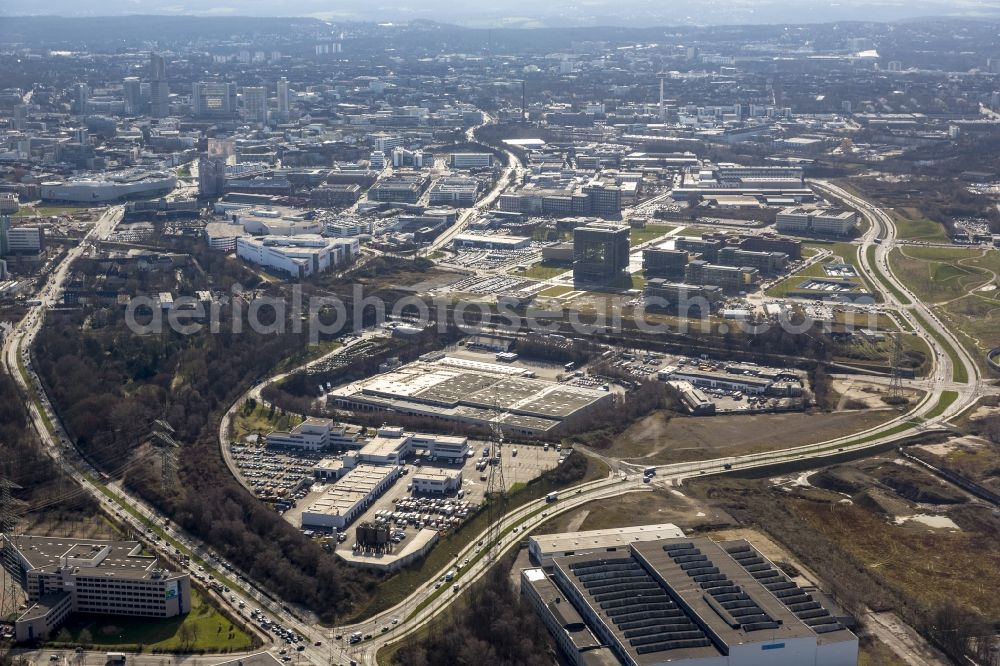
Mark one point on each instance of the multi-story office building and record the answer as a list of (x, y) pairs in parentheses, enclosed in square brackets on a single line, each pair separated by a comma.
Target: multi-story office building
[(456, 191), (81, 98), (688, 299), (159, 89), (298, 256), (471, 160), (768, 263), (8, 203), (255, 104), (770, 243), (730, 278), (399, 188), (20, 240), (212, 100), (312, 434), (437, 481), (335, 195), (63, 575), (603, 200), (535, 201), (664, 263), (284, 99), (211, 176), (132, 95), (600, 252), (708, 248), (385, 142), (818, 221)]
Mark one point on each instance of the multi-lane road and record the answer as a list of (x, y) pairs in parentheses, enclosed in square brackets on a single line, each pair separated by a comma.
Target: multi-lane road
[(430, 599)]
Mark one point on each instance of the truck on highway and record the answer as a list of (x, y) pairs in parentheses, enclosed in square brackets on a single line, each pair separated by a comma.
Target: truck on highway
[(649, 471), (115, 658), (552, 497)]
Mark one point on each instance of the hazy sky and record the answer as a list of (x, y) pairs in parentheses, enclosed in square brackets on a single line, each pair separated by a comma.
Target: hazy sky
[(528, 13)]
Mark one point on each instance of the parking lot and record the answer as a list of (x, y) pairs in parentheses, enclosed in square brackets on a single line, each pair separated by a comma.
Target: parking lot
[(275, 475)]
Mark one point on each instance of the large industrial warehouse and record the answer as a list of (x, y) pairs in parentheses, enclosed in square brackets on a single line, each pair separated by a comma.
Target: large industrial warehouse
[(685, 601), (472, 392)]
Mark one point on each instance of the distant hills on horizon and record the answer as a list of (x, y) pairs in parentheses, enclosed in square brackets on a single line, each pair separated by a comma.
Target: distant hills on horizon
[(141, 30), (524, 13)]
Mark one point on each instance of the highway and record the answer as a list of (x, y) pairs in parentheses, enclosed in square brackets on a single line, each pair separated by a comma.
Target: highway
[(512, 173), (428, 601)]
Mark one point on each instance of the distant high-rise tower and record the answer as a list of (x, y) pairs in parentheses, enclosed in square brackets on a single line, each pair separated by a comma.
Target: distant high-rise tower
[(20, 117), (213, 100), (255, 104), (157, 67), (211, 176), (284, 102), (159, 89), (82, 101), (132, 95), (4, 231), (663, 103)]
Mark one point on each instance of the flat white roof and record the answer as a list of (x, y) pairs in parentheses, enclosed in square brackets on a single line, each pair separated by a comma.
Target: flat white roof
[(595, 539)]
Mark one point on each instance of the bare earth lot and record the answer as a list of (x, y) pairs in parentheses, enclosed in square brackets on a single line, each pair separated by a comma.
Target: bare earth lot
[(661, 440)]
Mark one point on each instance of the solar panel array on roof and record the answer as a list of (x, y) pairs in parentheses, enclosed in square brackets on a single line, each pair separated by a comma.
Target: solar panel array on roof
[(641, 609), (724, 596), (797, 600)]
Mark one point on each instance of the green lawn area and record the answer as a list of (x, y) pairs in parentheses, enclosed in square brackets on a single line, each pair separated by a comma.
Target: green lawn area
[(558, 290), (847, 252), (46, 211), (201, 629), (945, 401), (959, 373), (540, 271), (638, 235), (937, 274), (912, 225), (261, 420), (792, 282)]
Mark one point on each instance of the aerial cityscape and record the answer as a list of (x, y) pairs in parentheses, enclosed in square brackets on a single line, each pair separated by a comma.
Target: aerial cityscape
[(427, 335)]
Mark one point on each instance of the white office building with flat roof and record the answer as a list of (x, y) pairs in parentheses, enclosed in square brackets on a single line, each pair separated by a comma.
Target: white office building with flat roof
[(298, 256), (312, 434)]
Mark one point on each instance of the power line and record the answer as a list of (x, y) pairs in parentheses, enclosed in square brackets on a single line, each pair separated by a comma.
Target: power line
[(496, 486), (896, 384)]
